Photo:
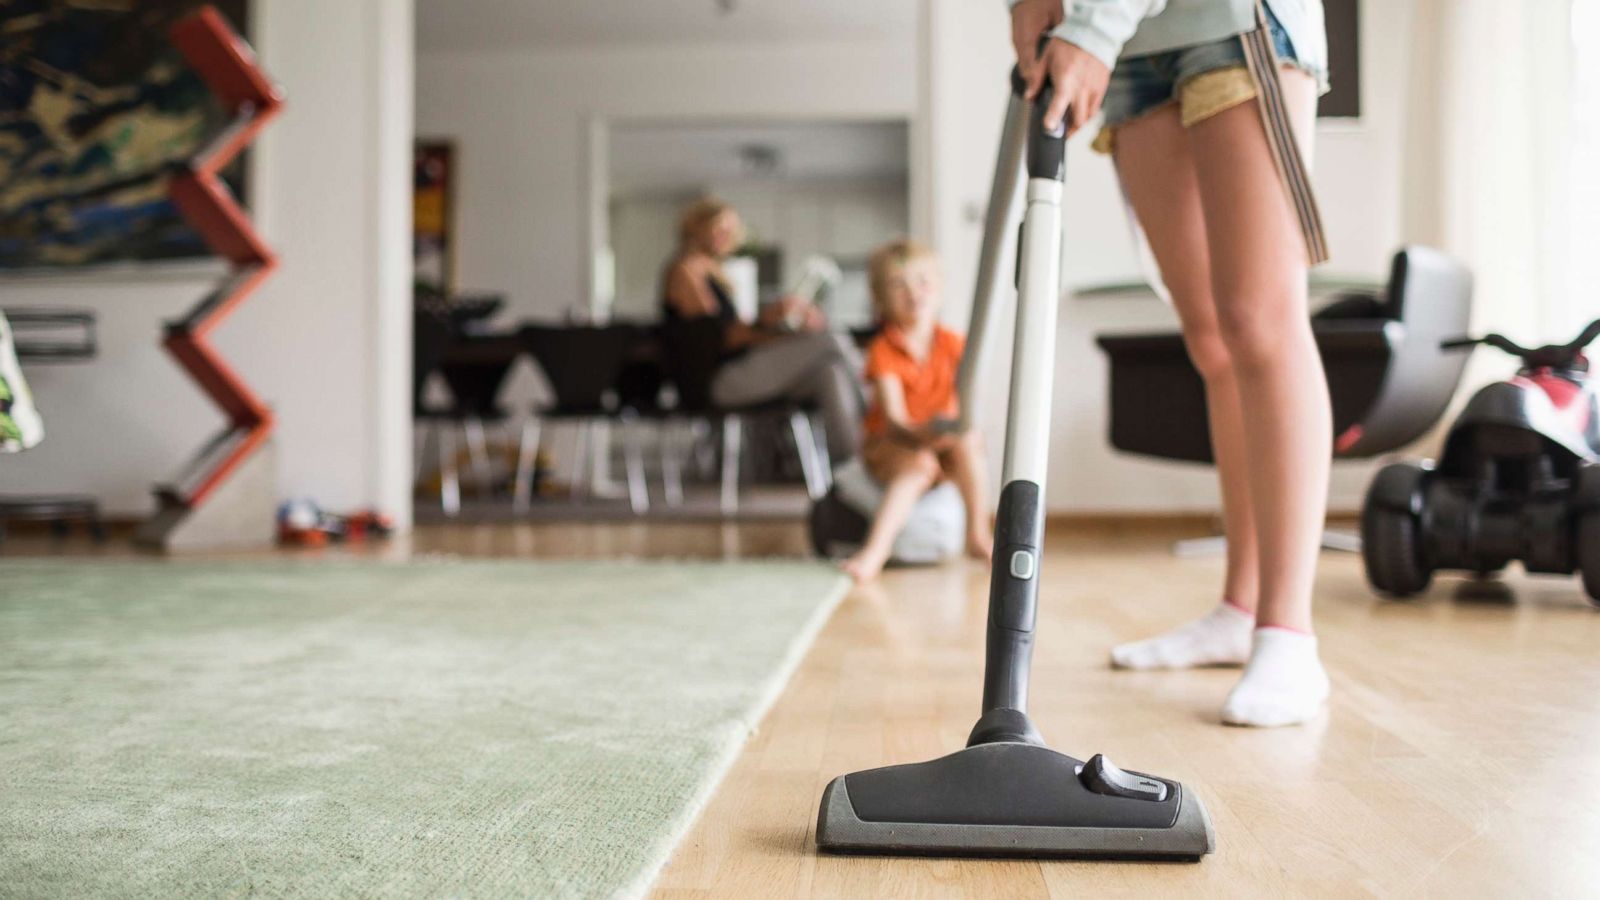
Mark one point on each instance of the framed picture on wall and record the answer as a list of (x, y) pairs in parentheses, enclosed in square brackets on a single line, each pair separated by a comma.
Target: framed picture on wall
[(1344, 60), (433, 241), (98, 107)]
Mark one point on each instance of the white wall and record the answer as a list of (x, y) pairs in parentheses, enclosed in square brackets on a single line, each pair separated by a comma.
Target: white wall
[(522, 122), (326, 341), (1358, 172)]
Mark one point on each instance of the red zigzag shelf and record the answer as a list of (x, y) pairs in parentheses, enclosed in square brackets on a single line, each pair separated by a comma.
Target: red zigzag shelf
[(228, 67)]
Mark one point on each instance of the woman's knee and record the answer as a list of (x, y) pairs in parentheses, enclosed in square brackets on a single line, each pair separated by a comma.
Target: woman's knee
[(1260, 332), (1207, 350)]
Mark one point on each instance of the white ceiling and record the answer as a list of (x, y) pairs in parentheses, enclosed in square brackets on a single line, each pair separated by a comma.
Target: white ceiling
[(651, 157), (457, 25)]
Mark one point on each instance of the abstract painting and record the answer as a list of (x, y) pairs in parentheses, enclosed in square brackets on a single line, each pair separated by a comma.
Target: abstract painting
[(433, 244), (96, 108)]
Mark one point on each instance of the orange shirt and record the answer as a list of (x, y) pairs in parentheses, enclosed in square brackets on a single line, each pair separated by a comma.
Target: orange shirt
[(929, 384)]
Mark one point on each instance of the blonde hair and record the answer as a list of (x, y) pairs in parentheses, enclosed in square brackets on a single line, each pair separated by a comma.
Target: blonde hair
[(697, 217), (884, 260)]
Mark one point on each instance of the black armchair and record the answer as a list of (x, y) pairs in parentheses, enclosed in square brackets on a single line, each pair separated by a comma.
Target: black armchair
[(1389, 381), (691, 351), (584, 366)]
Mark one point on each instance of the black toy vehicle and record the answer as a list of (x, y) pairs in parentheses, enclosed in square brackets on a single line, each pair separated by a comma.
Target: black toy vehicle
[(1519, 480)]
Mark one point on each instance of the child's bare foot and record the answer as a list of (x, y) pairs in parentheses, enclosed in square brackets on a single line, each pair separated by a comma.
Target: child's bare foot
[(980, 546), (864, 566)]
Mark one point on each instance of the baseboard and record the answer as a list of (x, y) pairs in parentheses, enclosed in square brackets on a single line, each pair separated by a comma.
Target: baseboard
[(1212, 521), (116, 527)]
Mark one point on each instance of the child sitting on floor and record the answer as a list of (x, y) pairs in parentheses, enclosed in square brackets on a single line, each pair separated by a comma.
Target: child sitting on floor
[(910, 443)]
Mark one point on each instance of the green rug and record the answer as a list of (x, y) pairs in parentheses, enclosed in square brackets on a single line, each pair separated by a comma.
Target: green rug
[(351, 729)]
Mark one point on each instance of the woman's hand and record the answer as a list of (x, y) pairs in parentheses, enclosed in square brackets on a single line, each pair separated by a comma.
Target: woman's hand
[(1079, 78), (796, 313), (1080, 81), (1031, 20)]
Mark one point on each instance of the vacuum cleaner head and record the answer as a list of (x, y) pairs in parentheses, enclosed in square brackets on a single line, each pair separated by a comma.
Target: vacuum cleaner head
[(1013, 799)]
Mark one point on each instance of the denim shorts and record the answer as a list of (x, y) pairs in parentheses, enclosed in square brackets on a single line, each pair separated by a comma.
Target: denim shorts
[(1203, 80)]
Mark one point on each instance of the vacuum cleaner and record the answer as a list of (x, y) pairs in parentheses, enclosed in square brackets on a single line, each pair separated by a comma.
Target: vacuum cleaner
[(1006, 793), (1519, 479)]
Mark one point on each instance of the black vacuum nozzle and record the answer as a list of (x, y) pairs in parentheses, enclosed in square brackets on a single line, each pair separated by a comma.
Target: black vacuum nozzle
[(1013, 799)]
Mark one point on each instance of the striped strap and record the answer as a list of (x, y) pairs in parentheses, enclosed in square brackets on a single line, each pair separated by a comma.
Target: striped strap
[(1262, 59)]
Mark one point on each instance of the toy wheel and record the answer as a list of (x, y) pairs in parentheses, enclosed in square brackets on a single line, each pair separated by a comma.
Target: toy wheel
[(1589, 553), (1586, 549), (1391, 545)]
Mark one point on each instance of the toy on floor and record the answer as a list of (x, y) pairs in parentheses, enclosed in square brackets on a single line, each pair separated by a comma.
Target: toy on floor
[(302, 523), (1519, 480), (20, 427)]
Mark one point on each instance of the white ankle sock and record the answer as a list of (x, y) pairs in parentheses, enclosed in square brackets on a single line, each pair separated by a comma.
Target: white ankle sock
[(1284, 683), (1218, 638)]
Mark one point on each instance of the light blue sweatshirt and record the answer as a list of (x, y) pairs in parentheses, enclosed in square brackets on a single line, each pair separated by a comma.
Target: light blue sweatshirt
[(1122, 29)]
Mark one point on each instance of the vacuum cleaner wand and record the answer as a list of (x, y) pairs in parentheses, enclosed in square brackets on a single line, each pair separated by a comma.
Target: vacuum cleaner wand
[(1006, 793)]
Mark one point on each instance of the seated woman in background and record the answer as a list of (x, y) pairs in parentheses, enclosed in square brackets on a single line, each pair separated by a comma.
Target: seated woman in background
[(787, 353)]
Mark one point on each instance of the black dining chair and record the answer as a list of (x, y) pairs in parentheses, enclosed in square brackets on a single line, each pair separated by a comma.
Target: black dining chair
[(645, 391), (474, 368), (583, 365), (690, 353)]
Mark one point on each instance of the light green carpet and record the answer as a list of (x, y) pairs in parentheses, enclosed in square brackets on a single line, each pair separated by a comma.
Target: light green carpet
[(491, 729)]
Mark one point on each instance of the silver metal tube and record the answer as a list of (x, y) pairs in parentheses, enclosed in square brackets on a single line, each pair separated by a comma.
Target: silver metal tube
[(992, 274)]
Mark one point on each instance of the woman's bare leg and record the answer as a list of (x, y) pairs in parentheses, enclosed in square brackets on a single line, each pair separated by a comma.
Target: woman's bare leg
[(1157, 171), (1258, 273)]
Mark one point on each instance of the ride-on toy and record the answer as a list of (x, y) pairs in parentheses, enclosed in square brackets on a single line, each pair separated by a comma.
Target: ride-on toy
[(1519, 479)]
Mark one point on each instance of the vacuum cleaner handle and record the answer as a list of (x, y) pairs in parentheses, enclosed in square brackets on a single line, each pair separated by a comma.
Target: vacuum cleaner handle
[(1019, 525), (1004, 194), (992, 283)]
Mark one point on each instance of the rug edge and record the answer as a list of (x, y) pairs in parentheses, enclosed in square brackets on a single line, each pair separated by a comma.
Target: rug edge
[(735, 743)]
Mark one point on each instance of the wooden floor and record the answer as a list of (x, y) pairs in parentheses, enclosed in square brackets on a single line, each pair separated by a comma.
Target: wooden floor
[(1460, 756)]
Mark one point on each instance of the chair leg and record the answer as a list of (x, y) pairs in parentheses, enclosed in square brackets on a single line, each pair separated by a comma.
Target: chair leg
[(732, 445), (580, 460), (449, 476), (478, 450), (419, 449), (638, 486), (671, 470), (805, 444), (527, 459), (700, 446), (819, 431), (600, 483)]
